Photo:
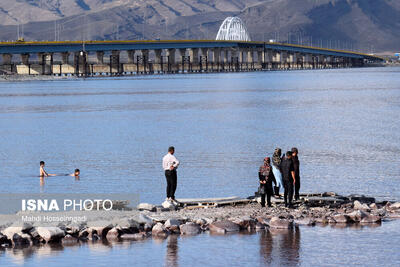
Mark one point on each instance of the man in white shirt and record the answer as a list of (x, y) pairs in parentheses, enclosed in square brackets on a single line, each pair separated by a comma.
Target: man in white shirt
[(170, 164)]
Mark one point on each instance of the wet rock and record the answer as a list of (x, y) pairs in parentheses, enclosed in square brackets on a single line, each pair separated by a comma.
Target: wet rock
[(10, 231), (190, 228), (305, 221), (373, 206), (201, 222), (357, 215), (21, 239), (223, 227), (371, 219), (99, 228), (279, 223), (262, 220), (146, 206), (159, 230), (4, 241), (50, 234), (171, 222), (147, 227), (395, 206), (69, 240), (359, 206), (143, 219), (341, 218), (260, 226), (112, 234), (83, 234), (127, 225), (322, 220), (137, 236), (245, 222), (36, 238)]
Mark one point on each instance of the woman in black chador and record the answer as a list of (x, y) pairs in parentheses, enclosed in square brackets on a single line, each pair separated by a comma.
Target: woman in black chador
[(266, 177)]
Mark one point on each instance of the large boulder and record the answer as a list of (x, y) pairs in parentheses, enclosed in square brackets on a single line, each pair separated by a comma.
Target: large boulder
[(341, 218), (371, 219), (113, 234), (21, 239), (305, 221), (359, 206), (50, 234), (4, 241), (143, 219), (394, 206), (190, 228), (245, 222), (159, 230), (127, 225), (171, 222), (99, 228), (222, 227), (146, 206), (357, 215), (10, 231), (136, 236), (69, 240), (279, 223)]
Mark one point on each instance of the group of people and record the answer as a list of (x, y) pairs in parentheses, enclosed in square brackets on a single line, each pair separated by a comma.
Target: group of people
[(283, 172)]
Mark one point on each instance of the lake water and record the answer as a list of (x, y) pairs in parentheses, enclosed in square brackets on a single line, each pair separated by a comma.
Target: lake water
[(345, 124)]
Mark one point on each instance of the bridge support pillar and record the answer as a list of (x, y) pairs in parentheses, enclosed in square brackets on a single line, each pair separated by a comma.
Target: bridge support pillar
[(225, 59), (277, 58), (157, 60), (171, 58), (268, 59), (131, 56), (64, 57), (100, 57), (216, 58), (260, 59), (7, 59), (25, 58), (250, 58)]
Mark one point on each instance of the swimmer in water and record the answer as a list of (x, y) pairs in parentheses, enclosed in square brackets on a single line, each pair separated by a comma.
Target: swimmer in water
[(76, 173), (43, 173)]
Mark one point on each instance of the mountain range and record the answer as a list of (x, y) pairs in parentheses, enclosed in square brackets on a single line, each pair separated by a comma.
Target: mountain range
[(367, 25)]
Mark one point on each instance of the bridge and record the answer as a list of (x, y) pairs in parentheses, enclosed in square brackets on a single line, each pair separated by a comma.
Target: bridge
[(145, 57)]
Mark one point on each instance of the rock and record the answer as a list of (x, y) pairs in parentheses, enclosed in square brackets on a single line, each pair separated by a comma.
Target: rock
[(127, 224), (201, 222), (341, 218), (357, 215), (171, 222), (328, 194), (395, 206), (146, 206), (305, 221), (36, 238), (50, 234), (260, 226), (245, 222), (137, 236), (159, 230), (224, 227), (373, 206), (69, 240), (190, 228), (322, 220), (371, 219), (100, 228), (21, 239), (83, 235), (359, 206), (279, 223), (10, 231), (168, 205), (112, 234), (143, 219), (147, 227), (4, 241)]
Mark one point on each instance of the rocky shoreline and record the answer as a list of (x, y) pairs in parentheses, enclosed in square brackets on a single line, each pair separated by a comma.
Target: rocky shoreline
[(158, 222)]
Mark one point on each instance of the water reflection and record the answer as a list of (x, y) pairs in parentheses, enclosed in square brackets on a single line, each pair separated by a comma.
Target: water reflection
[(171, 256), (280, 247)]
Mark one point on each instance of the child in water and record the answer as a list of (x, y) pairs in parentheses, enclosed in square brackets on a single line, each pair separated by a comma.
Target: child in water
[(76, 173), (42, 170)]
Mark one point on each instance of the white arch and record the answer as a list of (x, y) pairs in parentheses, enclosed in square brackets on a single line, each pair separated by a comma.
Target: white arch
[(233, 29)]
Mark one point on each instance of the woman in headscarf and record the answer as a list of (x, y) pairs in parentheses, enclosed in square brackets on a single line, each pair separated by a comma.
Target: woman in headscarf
[(276, 169), (266, 177)]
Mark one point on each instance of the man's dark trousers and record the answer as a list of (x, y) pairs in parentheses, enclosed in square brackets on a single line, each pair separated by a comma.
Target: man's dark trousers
[(171, 183), (288, 195), (297, 188)]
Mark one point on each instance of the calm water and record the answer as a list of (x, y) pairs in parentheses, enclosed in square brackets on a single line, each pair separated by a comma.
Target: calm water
[(344, 122)]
